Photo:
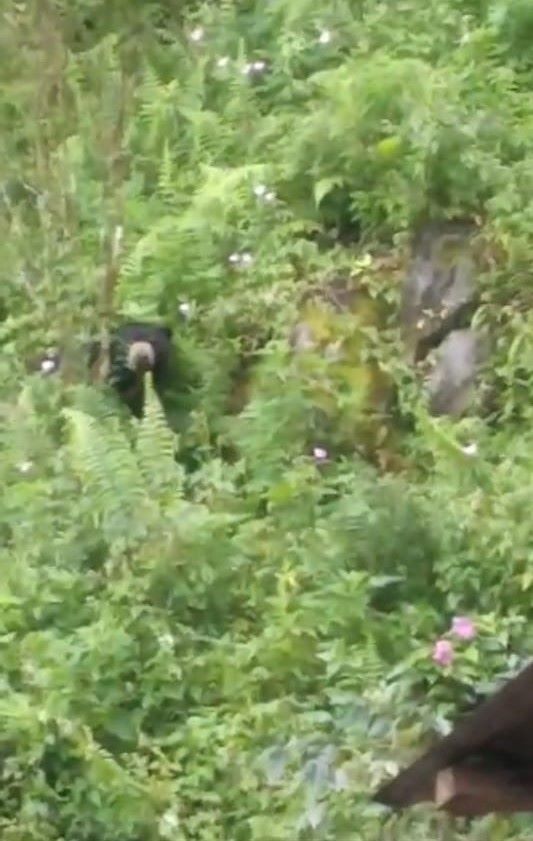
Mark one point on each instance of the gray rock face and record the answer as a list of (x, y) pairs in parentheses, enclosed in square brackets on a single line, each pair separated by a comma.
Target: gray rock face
[(439, 287), (452, 381), (438, 303)]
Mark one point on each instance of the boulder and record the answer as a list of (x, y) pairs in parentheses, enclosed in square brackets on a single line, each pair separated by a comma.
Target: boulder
[(452, 382), (439, 291)]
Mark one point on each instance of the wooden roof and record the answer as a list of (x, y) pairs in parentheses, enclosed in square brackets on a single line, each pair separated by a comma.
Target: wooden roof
[(484, 765)]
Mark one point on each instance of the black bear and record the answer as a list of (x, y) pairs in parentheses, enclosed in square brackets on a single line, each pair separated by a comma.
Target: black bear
[(134, 349)]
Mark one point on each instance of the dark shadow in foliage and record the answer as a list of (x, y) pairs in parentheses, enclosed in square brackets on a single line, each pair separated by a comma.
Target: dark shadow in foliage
[(335, 222), (404, 546), (16, 191), (338, 218), (388, 532), (60, 765), (514, 22), (86, 24)]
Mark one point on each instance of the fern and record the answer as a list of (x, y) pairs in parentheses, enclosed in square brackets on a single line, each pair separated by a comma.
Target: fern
[(156, 447), (107, 469)]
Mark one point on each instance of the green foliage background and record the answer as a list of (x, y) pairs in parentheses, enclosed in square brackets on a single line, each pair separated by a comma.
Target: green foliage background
[(243, 650)]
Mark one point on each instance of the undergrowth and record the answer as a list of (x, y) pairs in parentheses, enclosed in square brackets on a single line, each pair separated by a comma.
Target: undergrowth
[(217, 623)]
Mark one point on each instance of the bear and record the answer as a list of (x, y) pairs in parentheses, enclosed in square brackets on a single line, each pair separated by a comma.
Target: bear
[(134, 349)]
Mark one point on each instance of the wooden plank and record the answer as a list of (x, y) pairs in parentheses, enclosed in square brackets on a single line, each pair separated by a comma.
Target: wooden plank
[(470, 792), (502, 722)]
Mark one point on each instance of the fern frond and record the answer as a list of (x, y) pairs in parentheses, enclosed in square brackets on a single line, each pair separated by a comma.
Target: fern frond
[(156, 446), (107, 468)]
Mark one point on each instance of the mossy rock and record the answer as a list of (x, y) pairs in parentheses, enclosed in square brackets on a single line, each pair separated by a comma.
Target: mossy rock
[(335, 341)]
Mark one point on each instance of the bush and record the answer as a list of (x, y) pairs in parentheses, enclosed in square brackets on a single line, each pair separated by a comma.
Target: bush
[(218, 623)]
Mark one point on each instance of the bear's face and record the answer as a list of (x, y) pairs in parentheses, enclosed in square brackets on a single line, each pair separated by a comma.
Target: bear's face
[(141, 347)]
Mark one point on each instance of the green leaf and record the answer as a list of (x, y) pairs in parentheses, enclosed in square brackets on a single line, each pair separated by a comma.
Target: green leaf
[(324, 186)]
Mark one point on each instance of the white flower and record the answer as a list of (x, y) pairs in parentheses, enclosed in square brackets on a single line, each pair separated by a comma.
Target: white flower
[(66, 727), (47, 366), (262, 192), (320, 454), (254, 67), (223, 61), (25, 466), (165, 640), (185, 309), (197, 34), (241, 261), (325, 37), (168, 824), (470, 449)]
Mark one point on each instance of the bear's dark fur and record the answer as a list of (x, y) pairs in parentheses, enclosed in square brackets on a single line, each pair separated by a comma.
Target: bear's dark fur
[(134, 349)]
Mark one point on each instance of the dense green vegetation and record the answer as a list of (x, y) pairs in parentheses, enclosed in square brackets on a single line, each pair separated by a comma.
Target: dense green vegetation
[(218, 623)]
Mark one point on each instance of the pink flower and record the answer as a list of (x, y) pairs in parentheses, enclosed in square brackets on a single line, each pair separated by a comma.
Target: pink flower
[(443, 653), (463, 627)]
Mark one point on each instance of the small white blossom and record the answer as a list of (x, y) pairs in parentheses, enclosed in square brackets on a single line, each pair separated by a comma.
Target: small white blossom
[(197, 34), (66, 727), (185, 309), (470, 449), (25, 466), (168, 824), (223, 61), (165, 640), (262, 193), (241, 261), (325, 37), (47, 366), (254, 68), (320, 454)]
